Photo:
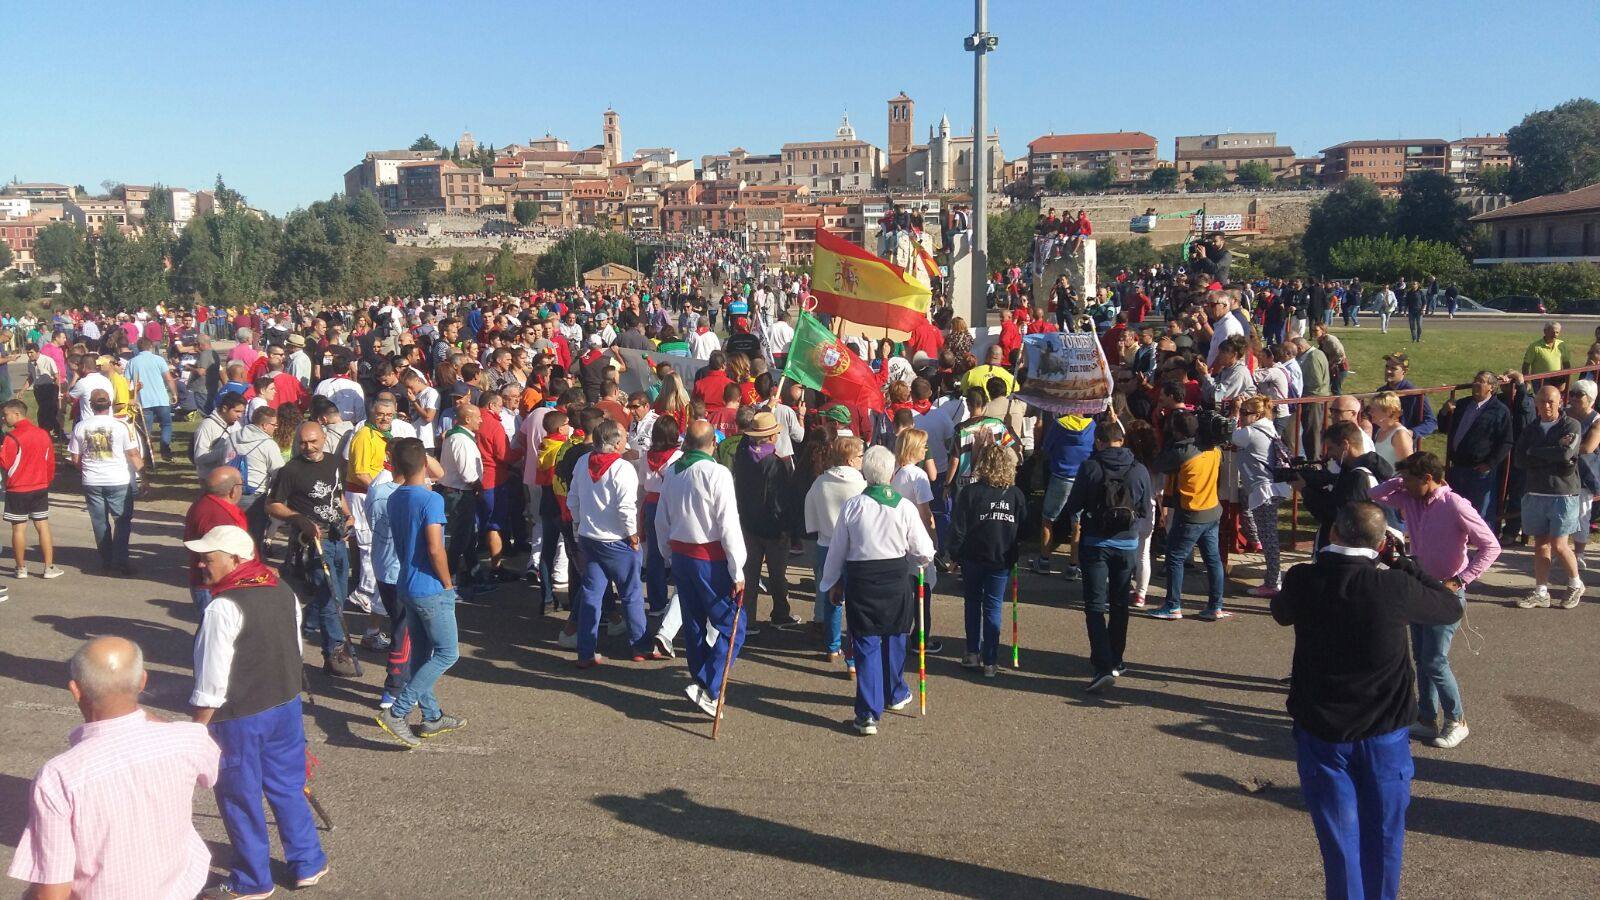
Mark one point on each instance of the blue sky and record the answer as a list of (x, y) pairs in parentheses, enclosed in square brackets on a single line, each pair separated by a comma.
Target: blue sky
[(282, 98)]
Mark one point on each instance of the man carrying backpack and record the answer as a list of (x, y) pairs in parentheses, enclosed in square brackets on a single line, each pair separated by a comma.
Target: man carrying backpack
[(1112, 494)]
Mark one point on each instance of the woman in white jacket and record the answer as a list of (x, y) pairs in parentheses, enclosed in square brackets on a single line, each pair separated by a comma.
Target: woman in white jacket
[(838, 483)]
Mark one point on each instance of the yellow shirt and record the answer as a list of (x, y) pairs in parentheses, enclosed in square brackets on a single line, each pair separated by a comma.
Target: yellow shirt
[(978, 377), (122, 395), (369, 450)]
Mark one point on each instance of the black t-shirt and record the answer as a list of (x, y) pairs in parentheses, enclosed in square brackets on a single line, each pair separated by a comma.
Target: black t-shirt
[(312, 489), (745, 343)]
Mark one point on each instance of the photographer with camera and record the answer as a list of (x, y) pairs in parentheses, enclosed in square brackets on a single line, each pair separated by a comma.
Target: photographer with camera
[(1351, 695), (308, 495), (1326, 489)]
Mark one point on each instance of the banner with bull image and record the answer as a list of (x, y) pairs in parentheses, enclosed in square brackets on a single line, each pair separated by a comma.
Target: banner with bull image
[(1066, 373)]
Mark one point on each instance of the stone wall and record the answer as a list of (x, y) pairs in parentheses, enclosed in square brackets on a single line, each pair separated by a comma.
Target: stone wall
[(1279, 213)]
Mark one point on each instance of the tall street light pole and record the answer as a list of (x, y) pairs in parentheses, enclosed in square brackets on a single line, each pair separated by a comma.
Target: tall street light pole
[(980, 43)]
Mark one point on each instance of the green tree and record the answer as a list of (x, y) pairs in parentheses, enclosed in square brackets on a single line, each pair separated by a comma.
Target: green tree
[(56, 245), (1164, 178), (1429, 211), (1277, 260), (1011, 237), (1059, 181), (526, 212), (6, 256), (1495, 180), (422, 277), (126, 273), (1253, 174), (1556, 149), (589, 248), (1106, 175), (1384, 259), (1353, 209), (158, 209), (227, 197), (425, 143), (1138, 253), (196, 265), (1208, 177)]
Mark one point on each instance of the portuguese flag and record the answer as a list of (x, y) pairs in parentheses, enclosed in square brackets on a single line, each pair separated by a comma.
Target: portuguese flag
[(859, 287), (823, 363)]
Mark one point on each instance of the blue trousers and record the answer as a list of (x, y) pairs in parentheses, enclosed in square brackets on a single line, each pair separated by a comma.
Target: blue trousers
[(1415, 321), (328, 593), (1437, 690), (940, 507), (831, 617), (266, 754), (1180, 541), (604, 563), (655, 565), (1479, 489), (161, 415), (985, 592), (434, 641), (111, 517), (880, 673), (1107, 574), (705, 592), (1357, 793)]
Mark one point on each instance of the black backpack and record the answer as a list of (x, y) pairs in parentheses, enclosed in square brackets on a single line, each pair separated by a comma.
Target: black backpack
[(1116, 513)]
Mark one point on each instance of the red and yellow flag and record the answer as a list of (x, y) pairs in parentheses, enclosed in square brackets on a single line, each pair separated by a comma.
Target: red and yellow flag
[(859, 287)]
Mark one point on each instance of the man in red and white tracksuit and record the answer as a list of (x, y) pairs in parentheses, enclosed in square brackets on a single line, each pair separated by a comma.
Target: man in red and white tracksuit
[(697, 529), (28, 458)]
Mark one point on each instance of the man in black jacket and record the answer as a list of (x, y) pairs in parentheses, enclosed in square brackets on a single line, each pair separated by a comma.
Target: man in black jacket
[(1347, 477), (1547, 454), (1480, 440), (1112, 492), (1352, 696), (761, 482)]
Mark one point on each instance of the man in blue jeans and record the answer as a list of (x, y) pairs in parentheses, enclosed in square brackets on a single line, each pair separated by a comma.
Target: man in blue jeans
[(1351, 695), (309, 494), (416, 522), (151, 377), (106, 451), (1112, 493)]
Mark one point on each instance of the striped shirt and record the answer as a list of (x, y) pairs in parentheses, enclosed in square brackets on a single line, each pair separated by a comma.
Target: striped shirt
[(113, 815)]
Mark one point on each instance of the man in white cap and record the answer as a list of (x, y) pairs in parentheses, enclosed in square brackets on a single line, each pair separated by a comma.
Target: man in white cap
[(247, 677)]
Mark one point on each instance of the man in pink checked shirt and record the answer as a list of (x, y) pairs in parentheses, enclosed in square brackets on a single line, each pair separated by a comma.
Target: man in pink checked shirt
[(1452, 543), (112, 817)]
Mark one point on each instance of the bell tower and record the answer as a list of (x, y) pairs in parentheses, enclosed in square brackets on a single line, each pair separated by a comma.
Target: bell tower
[(612, 144), (901, 115)]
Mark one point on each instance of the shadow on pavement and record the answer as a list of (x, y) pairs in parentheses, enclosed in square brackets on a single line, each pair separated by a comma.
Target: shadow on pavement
[(14, 793), (672, 813), (1483, 823)]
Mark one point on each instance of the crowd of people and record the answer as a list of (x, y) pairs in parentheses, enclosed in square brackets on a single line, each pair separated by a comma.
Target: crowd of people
[(634, 459)]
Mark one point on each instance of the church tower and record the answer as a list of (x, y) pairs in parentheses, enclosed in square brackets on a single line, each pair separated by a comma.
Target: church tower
[(613, 137), (901, 114), (940, 169)]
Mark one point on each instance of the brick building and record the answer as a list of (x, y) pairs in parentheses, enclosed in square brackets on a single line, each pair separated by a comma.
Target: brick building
[(1469, 156), (1231, 150), (1555, 228), (1384, 163), (1133, 152), (842, 164)]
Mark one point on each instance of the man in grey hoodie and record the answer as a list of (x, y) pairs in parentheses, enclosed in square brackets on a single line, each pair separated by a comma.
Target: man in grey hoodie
[(255, 451)]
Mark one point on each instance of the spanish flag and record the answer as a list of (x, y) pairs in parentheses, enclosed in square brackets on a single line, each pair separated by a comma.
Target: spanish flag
[(858, 287)]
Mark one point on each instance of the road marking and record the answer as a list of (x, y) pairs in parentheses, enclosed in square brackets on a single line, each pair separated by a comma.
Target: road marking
[(45, 707)]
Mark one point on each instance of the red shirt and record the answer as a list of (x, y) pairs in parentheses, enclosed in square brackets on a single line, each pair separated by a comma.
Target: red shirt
[(496, 452), (1041, 326), (289, 390), (205, 514), (1137, 308), (925, 338), (1111, 343), (28, 458), (709, 390)]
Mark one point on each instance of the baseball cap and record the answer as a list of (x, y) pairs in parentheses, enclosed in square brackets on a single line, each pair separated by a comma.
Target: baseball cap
[(837, 412), (229, 539)]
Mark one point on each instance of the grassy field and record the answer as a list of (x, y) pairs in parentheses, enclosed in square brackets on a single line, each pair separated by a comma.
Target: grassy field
[(1444, 356)]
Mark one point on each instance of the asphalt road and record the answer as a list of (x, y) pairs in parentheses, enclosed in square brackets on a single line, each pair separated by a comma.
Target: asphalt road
[(606, 783)]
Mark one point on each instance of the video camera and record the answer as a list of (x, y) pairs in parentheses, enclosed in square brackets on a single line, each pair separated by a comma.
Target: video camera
[(1301, 468)]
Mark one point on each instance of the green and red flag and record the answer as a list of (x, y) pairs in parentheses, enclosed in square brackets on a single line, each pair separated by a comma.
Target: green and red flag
[(822, 362)]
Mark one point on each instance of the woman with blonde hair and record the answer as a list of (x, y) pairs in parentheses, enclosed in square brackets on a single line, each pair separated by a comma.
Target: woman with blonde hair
[(959, 341), (1257, 450), (1390, 439), (915, 483), (983, 541), (673, 401)]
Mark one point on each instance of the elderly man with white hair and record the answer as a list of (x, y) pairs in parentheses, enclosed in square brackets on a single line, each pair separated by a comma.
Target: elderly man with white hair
[(877, 545), (247, 677), (114, 814)]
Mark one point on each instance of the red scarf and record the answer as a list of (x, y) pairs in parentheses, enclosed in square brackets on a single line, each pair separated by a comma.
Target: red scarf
[(600, 462), (591, 356), (657, 458), (701, 329), (250, 573), (921, 407)]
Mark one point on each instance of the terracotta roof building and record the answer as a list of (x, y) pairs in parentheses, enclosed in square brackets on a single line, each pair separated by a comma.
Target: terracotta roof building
[(1133, 152), (1553, 228), (1384, 163)]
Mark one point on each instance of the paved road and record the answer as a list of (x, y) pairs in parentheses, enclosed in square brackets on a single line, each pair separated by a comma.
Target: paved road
[(606, 784)]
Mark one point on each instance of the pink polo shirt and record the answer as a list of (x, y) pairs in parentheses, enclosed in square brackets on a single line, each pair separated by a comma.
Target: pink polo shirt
[(114, 814)]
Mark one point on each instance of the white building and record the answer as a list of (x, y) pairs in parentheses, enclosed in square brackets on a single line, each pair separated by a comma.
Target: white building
[(15, 207)]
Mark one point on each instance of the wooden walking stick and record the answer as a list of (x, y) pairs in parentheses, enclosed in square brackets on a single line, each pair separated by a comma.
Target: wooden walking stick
[(727, 670), (1016, 651), (922, 643)]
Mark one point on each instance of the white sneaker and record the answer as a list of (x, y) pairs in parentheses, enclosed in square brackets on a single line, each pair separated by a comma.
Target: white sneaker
[(20, 572), (903, 703), (702, 698), (1573, 598), (1538, 599), (52, 572), (567, 641), (1450, 735)]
